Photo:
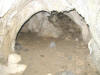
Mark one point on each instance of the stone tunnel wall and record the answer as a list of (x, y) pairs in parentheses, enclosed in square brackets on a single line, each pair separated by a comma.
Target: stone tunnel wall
[(13, 13), (56, 25)]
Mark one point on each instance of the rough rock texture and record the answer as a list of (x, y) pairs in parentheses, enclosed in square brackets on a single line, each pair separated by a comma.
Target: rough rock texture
[(14, 13), (64, 23), (79, 20), (55, 24), (39, 24)]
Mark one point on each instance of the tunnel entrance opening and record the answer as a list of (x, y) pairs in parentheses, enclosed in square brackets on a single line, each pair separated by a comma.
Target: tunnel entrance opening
[(52, 44)]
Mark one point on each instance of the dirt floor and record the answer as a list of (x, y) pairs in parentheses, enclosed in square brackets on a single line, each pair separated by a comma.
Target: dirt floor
[(49, 56)]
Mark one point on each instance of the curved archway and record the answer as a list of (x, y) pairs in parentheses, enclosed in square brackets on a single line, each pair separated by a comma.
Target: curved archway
[(15, 23), (17, 18)]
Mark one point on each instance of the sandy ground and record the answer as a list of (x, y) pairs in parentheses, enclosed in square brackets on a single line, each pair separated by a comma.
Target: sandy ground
[(48, 56)]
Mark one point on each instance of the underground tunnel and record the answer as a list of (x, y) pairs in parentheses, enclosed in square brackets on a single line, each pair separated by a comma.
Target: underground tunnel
[(52, 44), (66, 42)]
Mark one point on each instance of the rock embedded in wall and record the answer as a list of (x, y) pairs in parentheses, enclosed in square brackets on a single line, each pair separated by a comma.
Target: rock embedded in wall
[(39, 23), (66, 25), (53, 25), (79, 20)]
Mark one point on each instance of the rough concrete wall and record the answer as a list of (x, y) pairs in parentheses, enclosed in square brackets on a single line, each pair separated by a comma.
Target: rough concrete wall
[(12, 22), (90, 11), (79, 20)]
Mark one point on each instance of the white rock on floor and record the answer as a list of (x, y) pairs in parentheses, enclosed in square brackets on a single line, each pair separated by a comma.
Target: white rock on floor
[(52, 44)]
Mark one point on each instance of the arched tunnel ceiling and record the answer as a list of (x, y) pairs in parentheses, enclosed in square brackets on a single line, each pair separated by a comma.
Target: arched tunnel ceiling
[(13, 13), (88, 9), (84, 7)]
